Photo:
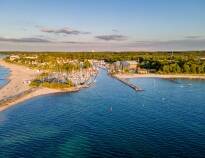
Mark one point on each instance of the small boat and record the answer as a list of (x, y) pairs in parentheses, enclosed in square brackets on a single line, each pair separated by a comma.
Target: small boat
[(111, 109)]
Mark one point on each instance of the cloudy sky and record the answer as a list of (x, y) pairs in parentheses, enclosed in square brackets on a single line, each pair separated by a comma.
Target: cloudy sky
[(85, 25)]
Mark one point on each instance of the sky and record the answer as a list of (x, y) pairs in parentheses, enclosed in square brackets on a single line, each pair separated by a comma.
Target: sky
[(102, 25)]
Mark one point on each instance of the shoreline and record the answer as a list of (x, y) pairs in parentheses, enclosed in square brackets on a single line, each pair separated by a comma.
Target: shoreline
[(162, 76), (17, 88), (26, 96)]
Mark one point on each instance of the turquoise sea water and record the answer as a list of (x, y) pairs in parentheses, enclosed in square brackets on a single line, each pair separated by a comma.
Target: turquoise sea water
[(3, 74), (109, 120)]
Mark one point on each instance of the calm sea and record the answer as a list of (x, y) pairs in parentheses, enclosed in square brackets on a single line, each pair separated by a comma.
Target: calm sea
[(3, 74), (109, 120)]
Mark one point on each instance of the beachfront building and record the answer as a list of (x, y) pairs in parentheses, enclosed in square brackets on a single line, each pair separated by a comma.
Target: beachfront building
[(152, 70), (121, 66), (130, 65), (202, 59), (31, 57), (98, 63), (14, 57), (117, 66), (142, 71)]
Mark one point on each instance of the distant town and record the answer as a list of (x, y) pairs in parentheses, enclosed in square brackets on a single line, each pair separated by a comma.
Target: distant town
[(65, 70)]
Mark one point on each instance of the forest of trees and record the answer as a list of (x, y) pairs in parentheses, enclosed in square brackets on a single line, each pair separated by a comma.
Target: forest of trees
[(175, 66), (163, 62)]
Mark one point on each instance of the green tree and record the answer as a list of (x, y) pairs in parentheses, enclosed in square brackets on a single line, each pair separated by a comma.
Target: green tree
[(175, 68), (86, 64), (166, 69), (200, 69), (193, 68), (178, 68), (186, 68)]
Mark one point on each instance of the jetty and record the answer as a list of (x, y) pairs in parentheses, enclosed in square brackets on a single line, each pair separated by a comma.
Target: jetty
[(126, 82)]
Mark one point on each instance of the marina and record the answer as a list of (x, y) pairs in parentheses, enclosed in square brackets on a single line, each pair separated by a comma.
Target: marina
[(102, 79)]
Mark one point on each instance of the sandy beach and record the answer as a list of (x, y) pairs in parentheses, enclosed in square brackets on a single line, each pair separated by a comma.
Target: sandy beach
[(168, 76), (18, 90)]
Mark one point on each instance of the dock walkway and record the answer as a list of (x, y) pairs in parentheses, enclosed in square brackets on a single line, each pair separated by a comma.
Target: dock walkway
[(126, 82)]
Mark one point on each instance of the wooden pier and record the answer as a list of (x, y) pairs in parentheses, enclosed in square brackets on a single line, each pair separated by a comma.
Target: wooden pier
[(126, 82)]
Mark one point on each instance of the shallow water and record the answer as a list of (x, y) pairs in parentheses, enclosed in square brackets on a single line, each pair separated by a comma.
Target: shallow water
[(109, 120), (3, 74)]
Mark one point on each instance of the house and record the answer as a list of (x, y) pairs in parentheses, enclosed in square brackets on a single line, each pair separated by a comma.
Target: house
[(152, 70), (202, 59), (142, 71), (31, 57), (111, 68), (117, 65), (13, 57), (130, 65)]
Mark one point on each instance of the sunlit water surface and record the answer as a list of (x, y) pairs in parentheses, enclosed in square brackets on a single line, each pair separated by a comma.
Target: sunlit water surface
[(3, 75), (109, 120)]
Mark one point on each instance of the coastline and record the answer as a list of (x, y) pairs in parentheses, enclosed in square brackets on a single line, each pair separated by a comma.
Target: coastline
[(163, 76), (34, 93), (17, 89)]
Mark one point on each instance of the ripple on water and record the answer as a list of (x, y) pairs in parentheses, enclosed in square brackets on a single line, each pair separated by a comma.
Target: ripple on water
[(82, 124)]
